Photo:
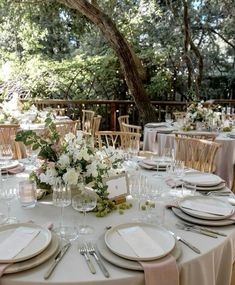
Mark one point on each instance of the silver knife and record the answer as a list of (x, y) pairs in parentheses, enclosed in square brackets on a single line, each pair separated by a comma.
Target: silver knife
[(57, 260), (206, 229), (185, 242)]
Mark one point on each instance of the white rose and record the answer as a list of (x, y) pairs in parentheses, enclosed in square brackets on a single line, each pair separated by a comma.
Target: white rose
[(71, 177), (64, 161)]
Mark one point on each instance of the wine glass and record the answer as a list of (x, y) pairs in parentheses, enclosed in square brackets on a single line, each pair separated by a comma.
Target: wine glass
[(84, 202), (168, 119), (8, 193), (62, 198), (5, 153)]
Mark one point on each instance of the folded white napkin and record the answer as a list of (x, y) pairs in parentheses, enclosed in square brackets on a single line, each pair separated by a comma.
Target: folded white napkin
[(3, 266), (207, 208), (17, 241), (140, 242)]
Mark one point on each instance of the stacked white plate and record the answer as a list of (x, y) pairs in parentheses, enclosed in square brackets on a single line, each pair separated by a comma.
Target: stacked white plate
[(155, 164), (205, 211), (40, 248), (122, 246), (203, 181), (231, 135), (8, 164)]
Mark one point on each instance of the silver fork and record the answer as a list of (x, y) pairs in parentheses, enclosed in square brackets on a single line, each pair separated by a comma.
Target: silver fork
[(91, 250), (196, 230), (83, 251)]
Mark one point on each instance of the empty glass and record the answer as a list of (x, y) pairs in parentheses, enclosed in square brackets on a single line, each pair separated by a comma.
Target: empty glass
[(84, 202), (62, 198), (8, 193), (5, 153), (168, 118)]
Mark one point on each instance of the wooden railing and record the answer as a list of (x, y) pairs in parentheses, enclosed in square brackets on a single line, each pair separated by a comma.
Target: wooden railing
[(111, 109)]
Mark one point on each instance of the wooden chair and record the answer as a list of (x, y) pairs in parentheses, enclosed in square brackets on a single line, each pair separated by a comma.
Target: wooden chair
[(131, 128), (123, 119), (197, 135), (179, 115), (116, 139), (65, 127), (87, 121), (197, 154), (96, 125), (9, 146)]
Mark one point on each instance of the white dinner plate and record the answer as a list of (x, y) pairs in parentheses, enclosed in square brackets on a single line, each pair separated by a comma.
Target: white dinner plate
[(202, 179), (9, 164), (149, 167), (203, 222), (116, 243), (36, 246), (208, 208), (157, 162), (36, 260), (126, 263), (207, 188)]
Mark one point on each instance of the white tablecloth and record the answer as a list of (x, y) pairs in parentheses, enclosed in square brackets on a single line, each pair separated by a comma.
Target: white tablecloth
[(212, 267), (224, 160)]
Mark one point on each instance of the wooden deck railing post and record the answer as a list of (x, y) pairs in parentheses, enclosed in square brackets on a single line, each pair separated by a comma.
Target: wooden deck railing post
[(113, 116)]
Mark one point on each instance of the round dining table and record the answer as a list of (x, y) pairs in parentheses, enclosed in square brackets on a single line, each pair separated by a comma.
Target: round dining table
[(213, 266), (155, 140)]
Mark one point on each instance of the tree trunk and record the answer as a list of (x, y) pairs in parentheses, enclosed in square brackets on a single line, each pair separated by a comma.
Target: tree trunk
[(133, 69)]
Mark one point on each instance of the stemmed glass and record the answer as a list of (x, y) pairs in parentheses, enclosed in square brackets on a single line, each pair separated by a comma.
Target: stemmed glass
[(8, 193), (61, 198), (168, 118), (84, 202), (5, 153)]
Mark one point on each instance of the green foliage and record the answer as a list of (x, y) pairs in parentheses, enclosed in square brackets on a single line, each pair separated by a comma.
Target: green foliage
[(50, 51)]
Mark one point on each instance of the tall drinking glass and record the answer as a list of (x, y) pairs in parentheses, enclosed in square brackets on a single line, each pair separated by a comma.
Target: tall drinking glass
[(61, 198), (8, 193)]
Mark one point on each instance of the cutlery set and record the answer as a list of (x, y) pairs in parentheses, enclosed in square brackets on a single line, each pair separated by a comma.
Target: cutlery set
[(88, 249), (85, 250)]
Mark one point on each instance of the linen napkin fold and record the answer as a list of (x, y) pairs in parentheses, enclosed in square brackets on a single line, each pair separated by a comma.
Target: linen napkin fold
[(163, 271), (14, 170), (3, 266), (173, 183)]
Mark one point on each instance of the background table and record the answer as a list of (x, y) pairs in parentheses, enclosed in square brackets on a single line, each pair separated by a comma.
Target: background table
[(154, 141)]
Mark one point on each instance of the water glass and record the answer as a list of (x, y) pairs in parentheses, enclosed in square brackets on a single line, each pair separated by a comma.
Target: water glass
[(8, 193), (28, 194)]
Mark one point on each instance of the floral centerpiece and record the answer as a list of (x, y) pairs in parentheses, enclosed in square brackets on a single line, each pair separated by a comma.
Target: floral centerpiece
[(197, 113), (72, 161)]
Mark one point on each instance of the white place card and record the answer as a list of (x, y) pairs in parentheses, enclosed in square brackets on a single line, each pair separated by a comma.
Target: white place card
[(140, 242), (117, 186)]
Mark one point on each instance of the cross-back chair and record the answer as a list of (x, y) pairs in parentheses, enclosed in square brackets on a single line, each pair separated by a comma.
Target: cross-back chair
[(196, 153), (116, 139), (123, 119), (8, 146), (65, 127), (131, 128)]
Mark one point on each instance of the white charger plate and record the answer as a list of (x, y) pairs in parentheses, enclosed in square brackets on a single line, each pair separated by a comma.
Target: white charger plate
[(118, 246), (208, 201), (202, 179), (36, 246), (9, 165), (188, 218), (126, 263), (36, 260), (206, 188)]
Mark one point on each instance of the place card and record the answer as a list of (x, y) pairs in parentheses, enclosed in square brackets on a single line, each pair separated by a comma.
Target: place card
[(117, 186)]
